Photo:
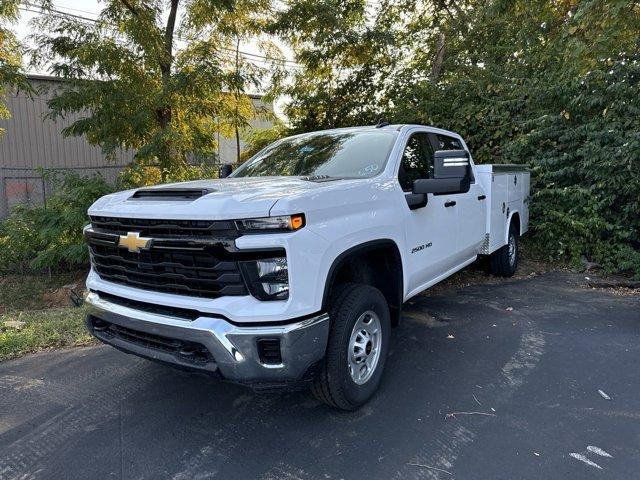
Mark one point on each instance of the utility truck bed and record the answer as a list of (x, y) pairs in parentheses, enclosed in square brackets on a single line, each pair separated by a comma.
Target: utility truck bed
[(507, 191)]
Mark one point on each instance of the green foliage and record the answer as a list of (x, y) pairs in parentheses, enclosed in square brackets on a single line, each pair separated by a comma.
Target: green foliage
[(37, 237), (553, 85), (346, 61), (138, 175)]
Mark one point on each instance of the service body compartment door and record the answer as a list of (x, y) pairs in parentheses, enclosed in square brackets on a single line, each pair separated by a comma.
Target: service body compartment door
[(514, 183), (498, 213), (471, 220)]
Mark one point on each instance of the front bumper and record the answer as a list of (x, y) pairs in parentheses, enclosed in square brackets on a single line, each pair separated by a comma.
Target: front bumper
[(212, 344)]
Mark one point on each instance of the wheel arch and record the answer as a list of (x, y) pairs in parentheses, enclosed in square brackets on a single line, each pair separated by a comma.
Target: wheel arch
[(514, 216), (384, 272)]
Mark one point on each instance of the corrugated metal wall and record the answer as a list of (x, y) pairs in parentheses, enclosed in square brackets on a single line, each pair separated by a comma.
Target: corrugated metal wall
[(31, 142)]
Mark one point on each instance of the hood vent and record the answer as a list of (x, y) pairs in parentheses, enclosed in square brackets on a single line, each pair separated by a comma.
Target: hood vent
[(171, 194)]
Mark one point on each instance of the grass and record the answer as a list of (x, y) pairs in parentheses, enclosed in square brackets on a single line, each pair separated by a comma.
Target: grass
[(41, 303), (42, 329), (27, 292)]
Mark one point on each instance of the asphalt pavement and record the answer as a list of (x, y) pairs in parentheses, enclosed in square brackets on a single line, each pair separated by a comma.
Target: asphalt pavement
[(526, 379)]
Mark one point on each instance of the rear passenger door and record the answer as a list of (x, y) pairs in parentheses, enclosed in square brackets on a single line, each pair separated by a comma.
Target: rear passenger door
[(431, 229), (470, 207)]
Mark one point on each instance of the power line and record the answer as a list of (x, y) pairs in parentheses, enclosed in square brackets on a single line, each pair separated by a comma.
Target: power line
[(27, 7)]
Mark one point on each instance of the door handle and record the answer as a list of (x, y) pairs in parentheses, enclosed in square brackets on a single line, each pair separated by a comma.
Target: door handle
[(450, 203), (482, 197)]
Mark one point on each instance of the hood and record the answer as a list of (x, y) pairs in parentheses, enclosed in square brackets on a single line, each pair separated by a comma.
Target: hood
[(220, 199)]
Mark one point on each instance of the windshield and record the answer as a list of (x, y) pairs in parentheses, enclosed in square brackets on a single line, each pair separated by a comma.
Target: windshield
[(341, 154)]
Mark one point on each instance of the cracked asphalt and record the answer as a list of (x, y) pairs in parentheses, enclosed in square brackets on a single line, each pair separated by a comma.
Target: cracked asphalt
[(484, 382)]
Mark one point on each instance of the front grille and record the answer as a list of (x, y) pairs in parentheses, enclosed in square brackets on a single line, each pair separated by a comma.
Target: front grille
[(186, 258), (196, 273), (166, 228), (192, 352)]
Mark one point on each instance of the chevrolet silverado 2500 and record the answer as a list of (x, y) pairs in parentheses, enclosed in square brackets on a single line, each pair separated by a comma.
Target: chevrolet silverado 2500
[(293, 270)]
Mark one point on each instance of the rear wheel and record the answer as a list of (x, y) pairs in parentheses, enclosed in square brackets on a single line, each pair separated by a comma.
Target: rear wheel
[(504, 261), (357, 347)]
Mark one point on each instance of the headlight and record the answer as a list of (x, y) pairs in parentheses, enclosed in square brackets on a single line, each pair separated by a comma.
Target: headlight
[(267, 279), (282, 223)]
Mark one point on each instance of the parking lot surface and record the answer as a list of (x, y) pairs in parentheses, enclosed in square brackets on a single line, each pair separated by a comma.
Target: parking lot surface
[(535, 378)]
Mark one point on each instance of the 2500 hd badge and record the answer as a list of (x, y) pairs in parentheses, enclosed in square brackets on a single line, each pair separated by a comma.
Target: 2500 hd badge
[(421, 247)]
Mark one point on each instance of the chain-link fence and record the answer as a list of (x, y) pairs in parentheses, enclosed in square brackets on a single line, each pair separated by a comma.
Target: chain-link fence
[(29, 186)]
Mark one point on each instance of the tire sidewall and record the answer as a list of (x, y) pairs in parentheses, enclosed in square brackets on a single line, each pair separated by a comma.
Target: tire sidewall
[(358, 394), (512, 233)]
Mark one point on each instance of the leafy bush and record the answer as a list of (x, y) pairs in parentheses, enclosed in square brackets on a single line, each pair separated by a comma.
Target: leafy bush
[(36, 237), (585, 148), (39, 237)]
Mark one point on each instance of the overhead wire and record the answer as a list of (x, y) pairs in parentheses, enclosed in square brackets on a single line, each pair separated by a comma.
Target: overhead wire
[(253, 57)]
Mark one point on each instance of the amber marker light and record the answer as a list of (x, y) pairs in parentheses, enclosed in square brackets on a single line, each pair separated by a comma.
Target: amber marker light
[(297, 221)]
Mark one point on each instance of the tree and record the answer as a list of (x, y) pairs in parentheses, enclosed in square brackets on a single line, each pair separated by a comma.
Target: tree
[(10, 55), (153, 76), (346, 53)]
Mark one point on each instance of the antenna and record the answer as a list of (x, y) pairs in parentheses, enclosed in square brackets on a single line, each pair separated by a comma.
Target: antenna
[(382, 123)]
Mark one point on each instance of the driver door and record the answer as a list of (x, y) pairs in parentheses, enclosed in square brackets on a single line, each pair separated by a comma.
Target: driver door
[(430, 230)]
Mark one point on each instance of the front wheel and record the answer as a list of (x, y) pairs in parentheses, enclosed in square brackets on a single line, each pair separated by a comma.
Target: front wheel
[(504, 261), (357, 347)]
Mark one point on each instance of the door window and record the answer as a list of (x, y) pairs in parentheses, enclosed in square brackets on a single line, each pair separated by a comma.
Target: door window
[(417, 161), (445, 142)]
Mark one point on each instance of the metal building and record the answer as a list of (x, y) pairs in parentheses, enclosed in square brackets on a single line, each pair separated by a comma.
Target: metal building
[(31, 142)]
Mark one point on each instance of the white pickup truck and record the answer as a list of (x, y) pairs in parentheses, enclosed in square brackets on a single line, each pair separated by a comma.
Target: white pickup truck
[(292, 271)]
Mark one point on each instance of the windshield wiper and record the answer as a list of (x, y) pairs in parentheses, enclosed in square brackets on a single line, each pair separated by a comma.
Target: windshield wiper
[(320, 178)]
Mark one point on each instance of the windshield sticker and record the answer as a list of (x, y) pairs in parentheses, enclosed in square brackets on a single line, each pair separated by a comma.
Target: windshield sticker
[(368, 170)]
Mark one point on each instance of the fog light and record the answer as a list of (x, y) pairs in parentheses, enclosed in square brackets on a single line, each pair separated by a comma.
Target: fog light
[(267, 279)]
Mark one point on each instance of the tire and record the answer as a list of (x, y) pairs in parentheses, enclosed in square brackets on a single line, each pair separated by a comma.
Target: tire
[(503, 264), (335, 384)]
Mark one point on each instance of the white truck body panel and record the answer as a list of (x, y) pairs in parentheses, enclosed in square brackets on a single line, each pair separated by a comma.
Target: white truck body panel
[(507, 191)]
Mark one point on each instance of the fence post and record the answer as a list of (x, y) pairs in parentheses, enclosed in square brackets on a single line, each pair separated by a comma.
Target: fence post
[(44, 191), (4, 205)]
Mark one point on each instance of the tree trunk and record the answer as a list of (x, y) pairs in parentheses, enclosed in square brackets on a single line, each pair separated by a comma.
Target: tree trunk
[(164, 113), (438, 59), (237, 99)]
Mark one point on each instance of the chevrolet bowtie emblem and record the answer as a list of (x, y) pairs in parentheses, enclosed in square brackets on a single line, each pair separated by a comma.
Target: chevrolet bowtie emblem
[(133, 242)]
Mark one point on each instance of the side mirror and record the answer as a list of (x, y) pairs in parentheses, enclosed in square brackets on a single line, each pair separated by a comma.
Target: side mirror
[(225, 170), (451, 164), (452, 174)]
